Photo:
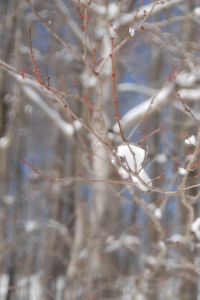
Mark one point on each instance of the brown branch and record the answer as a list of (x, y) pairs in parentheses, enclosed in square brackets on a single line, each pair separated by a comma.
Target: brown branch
[(187, 109), (80, 57), (114, 182)]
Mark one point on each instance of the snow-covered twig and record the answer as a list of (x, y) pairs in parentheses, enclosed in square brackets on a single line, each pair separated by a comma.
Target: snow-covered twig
[(150, 105)]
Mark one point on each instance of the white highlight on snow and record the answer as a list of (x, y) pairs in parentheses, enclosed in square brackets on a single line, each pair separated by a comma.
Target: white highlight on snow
[(155, 210), (161, 158), (158, 213), (31, 226), (113, 10), (191, 140), (131, 31), (60, 287), (190, 94), (129, 240), (151, 260), (113, 245), (4, 281), (182, 171), (188, 79), (177, 238), (133, 161), (4, 142), (162, 245), (124, 241), (9, 200), (197, 11), (84, 253), (35, 288), (195, 228), (89, 81)]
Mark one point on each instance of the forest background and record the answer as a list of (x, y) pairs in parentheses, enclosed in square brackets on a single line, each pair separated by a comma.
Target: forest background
[(77, 80)]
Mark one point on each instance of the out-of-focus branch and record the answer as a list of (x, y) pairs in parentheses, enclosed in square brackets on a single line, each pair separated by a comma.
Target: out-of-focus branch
[(187, 80), (98, 9), (136, 88), (126, 19), (152, 104), (66, 128), (72, 24), (190, 94), (184, 201), (28, 86), (67, 46)]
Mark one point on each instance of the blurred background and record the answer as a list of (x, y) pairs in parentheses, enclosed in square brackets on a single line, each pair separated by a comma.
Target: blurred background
[(83, 240)]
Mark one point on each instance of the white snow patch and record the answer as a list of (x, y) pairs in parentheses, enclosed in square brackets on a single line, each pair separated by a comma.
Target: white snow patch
[(151, 260), (125, 240), (9, 200), (4, 281), (113, 10), (31, 226), (60, 286), (131, 31), (186, 79), (195, 228), (176, 238), (56, 225), (89, 81), (133, 162), (161, 158), (83, 254), (191, 140), (182, 171), (162, 245), (158, 213), (190, 94), (197, 11), (34, 284), (4, 142), (129, 240), (151, 206)]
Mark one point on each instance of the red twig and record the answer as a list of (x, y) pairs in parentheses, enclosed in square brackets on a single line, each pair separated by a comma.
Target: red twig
[(35, 68), (80, 57), (152, 133), (115, 182), (187, 109), (115, 100)]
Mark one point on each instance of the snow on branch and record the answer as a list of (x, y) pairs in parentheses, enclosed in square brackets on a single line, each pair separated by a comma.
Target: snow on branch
[(190, 94), (195, 228), (133, 158), (99, 9), (29, 85), (136, 88), (66, 128), (127, 18), (140, 110), (72, 24), (187, 80), (124, 241)]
